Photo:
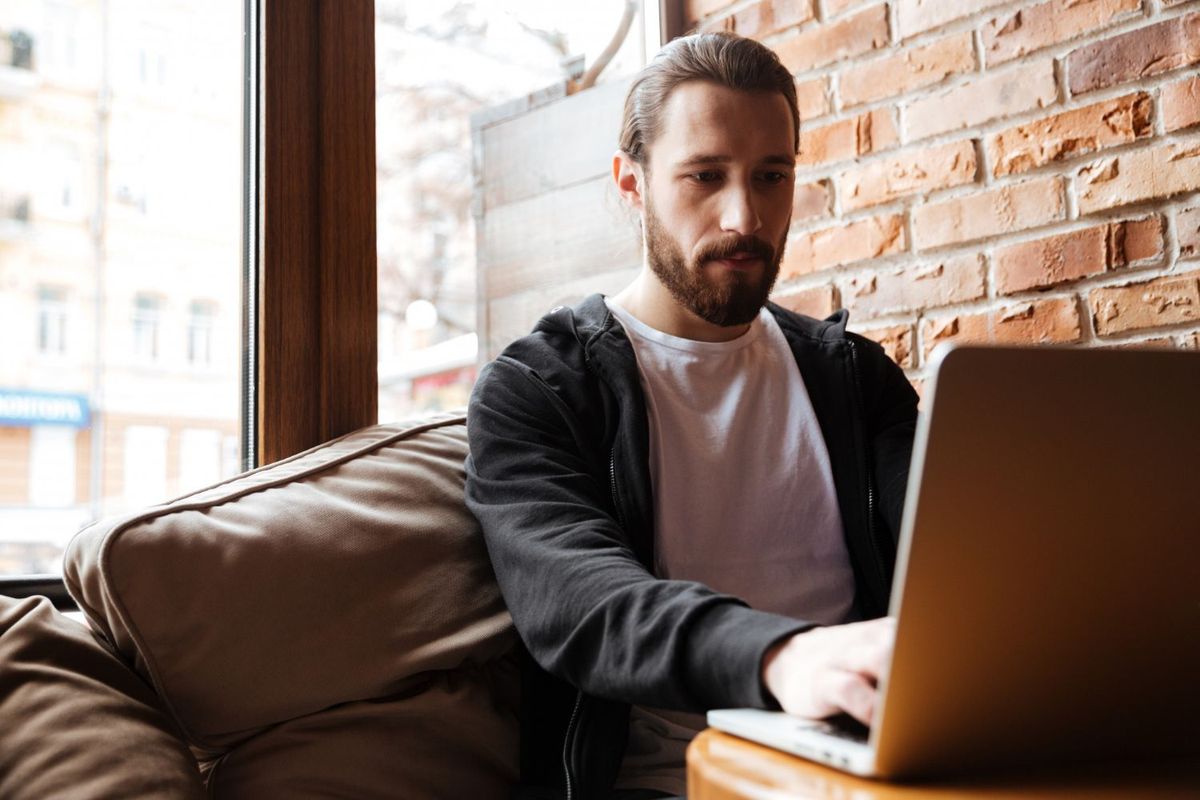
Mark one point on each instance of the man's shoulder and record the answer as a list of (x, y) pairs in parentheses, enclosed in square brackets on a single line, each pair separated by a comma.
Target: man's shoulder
[(793, 323), (831, 330), (554, 353), (560, 337)]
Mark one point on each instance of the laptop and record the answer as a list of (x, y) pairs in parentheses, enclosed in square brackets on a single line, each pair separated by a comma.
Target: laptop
[(1047, 588)]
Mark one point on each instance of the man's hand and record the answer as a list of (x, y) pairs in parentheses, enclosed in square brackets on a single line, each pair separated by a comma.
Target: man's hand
[(826, 671)]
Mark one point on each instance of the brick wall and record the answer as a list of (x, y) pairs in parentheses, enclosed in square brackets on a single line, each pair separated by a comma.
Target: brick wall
[(972, 170)]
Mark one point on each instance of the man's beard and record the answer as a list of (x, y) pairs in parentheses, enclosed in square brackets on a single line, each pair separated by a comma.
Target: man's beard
[(737, 298)]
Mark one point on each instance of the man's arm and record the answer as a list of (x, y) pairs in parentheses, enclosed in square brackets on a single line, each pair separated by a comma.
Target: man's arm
[(831, 670), (586, 609)]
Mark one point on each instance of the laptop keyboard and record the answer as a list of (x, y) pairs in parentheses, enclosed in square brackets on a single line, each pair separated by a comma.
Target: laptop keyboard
[(846, 727)]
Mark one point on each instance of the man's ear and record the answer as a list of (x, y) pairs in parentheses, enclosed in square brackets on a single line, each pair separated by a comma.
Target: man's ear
[(629, 177)]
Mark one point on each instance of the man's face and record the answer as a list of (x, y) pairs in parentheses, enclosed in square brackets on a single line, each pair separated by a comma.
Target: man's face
[(717, 199)]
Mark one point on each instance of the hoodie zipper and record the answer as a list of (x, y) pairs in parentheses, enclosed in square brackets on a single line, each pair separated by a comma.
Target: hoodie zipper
[(876, 549), (570, 734), (566, 756), (612, 484)]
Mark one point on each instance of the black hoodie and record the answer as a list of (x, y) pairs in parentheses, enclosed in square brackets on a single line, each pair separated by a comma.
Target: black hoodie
[(559, 479)]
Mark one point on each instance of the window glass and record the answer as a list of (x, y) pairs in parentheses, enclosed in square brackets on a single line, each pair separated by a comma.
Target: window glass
[(199, 458), (120, 261), (145, 464), (438, 62)]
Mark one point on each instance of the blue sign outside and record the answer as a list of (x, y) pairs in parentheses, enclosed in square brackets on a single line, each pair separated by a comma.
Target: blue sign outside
[(22, 409)]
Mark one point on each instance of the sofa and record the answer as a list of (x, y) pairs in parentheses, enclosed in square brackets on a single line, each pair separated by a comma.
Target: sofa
[(325, 626)]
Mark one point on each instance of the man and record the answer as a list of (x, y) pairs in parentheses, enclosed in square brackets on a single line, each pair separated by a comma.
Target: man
[(690, 496)]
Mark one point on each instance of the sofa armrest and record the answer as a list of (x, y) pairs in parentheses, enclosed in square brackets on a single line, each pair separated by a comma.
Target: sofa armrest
[(338, 575)]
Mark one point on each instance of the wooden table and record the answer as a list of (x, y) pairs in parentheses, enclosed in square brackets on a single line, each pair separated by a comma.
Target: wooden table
[(724, 767)]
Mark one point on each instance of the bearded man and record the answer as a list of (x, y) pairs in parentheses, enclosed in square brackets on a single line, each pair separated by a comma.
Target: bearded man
[(691, 496)]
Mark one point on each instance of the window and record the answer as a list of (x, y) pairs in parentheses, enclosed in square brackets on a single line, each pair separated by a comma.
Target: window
[(63, 177), (146, 319), (121, 256), (112, 249), (59, 54), (52, 321), (438, 62), (200, 333), (152, 57)]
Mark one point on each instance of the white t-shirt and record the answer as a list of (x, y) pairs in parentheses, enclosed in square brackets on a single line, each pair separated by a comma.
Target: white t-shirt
[(744, 500)]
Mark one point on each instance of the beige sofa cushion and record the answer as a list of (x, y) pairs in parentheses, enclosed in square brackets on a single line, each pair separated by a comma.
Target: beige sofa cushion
[(341, 575), (74, 721)]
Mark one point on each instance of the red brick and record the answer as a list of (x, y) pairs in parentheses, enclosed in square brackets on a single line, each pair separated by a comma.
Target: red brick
[(1078, 254), (812, 99), (916, 288), (716, 24), (1072, 133), (1148, 174), (1153, 304), (909, 69), (770, 16), (1187, 231), (818, 302), (1156, 343), (695, 10), (1017, 33), (874, 237), (810, 200), (1181, 104), (1146, 51), (897, 342), (1038, 322), (907, 173), (848, 138), (845, 38), (918, 16), (835, 7), (1136, 240), (977, 216), (988, 97)]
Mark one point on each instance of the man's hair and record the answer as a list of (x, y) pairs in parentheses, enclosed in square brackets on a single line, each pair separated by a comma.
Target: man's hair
[(722, 58)]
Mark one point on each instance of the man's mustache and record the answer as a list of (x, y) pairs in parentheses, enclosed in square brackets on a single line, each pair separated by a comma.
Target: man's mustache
[(743, 246)]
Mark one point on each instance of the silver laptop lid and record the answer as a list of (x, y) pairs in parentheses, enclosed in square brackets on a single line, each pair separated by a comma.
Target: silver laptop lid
[(1049, 604)]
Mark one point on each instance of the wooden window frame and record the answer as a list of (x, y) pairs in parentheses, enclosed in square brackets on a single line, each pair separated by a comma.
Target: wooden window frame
[(671, 19), (316, 243)]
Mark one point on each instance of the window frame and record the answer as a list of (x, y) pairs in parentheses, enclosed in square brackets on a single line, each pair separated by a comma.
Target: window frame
[(316, 215)]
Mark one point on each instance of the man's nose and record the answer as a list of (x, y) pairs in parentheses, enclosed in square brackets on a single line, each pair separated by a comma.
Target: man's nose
[(739, 212)]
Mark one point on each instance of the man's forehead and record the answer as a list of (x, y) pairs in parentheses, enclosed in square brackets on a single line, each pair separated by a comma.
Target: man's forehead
[(707, 122), (699, 159)]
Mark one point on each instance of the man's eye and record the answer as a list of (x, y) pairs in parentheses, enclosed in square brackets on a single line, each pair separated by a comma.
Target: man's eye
[(774, 177), (706, 177)]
